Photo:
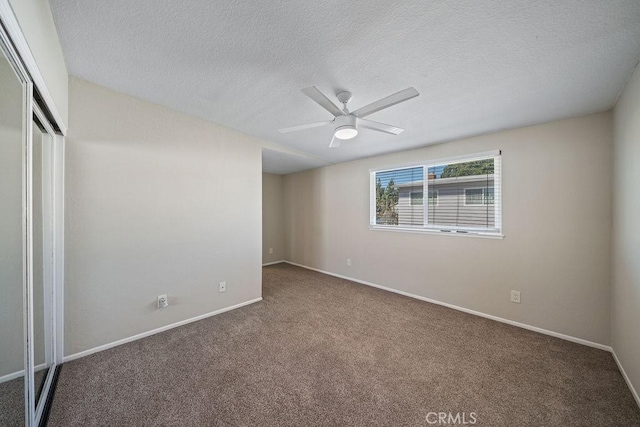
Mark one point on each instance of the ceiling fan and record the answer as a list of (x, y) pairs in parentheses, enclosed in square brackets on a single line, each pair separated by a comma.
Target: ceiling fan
[(346, 123)]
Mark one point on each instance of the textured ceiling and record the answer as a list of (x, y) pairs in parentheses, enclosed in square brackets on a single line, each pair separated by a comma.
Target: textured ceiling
[(480, 66), (276, 161)]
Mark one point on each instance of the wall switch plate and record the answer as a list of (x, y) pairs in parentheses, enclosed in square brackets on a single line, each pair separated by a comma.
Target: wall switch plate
[(515, 297), (348, 262), (163, 301), (270, 250), (222, 287)]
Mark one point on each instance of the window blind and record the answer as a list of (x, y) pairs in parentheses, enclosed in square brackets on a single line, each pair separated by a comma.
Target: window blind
[(463, 195), (399, 197)]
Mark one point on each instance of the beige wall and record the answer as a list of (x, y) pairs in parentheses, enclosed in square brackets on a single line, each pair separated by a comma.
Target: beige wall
[(556, 216), (626, 231), (272, 218), (156, 202), (38, 27)]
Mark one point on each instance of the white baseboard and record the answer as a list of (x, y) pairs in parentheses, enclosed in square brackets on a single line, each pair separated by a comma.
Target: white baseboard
[(19, 374), (274, 262), (11, 376), (155, 331), (626, 378), (465, 310)]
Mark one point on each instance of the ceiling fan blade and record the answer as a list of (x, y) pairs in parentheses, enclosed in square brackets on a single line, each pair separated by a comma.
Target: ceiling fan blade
[(368, 124), (335, 142), (313, 93), (302, 127), (387, 102)]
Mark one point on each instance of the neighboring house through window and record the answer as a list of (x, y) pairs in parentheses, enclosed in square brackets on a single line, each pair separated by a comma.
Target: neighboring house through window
[(416, 198), (433, 197), (478, 196)]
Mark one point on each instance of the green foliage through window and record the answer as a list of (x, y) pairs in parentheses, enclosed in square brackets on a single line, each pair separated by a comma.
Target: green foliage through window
[(386, 203), (476, 167)]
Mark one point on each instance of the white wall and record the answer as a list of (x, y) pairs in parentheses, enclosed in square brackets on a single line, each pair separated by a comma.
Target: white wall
[(156, 202), (556, 216), (625, 299), (272, 218), (38, 27)]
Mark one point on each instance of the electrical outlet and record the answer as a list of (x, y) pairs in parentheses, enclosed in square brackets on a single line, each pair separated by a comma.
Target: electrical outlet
[(348, 262), (515, 297), (270, 250), (163, 301), (222, 287)]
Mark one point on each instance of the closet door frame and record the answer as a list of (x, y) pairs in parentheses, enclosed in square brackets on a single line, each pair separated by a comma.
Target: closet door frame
[(49, 276), (15, 48)]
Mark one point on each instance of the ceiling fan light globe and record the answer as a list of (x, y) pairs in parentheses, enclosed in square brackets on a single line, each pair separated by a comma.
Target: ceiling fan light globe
[(346, 132)]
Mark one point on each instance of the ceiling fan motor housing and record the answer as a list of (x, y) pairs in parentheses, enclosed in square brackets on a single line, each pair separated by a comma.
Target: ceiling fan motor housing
[(344, 97), (346, 127)]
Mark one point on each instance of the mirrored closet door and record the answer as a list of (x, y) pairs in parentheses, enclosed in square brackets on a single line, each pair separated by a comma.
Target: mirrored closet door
[(12, 245), (42, 256), (30, 228)]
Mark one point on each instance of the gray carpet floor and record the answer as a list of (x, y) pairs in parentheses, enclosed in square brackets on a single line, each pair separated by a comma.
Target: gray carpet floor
[(12, 399), (12, 403), (323, 351)]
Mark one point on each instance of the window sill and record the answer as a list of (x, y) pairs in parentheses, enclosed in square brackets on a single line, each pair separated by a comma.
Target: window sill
[(477, 234)]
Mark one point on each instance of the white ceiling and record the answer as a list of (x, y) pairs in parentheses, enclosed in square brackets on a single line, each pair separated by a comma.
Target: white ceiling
[(480, 66), (282, 163)]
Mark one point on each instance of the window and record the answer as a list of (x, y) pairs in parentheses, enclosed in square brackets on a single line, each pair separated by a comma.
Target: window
[(489, 199), (473, 196), (478, 196), (433, 197), (416, 197), (395, 203), (463, 196)]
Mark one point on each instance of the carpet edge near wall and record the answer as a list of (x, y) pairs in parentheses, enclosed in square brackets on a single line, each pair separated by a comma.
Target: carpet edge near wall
[(626, 377), (374, 285), (141, 335), (565, 337)]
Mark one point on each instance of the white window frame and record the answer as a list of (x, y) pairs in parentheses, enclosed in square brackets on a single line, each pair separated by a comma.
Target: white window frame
[(440, 229), (484, 197)]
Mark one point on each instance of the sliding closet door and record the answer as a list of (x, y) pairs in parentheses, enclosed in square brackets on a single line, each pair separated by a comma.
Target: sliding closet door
[(12, 248), (41, 210), (31, 244)]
